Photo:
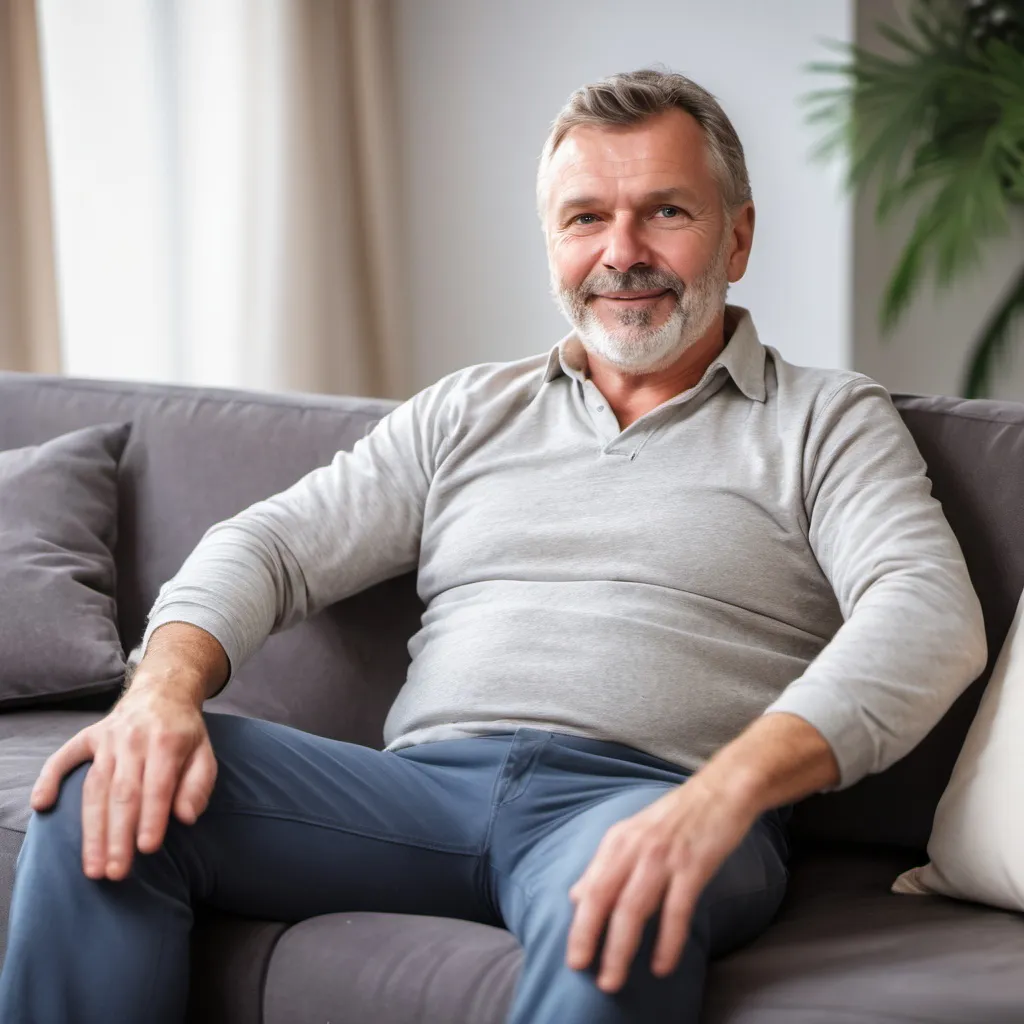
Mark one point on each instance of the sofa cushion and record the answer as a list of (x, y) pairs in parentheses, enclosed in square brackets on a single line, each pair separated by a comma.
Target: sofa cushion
[(27, 739), (58, 528), (845, 950), (391, 969)]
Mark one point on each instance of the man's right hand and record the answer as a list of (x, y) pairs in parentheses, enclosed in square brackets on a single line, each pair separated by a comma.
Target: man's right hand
[(151, 754)]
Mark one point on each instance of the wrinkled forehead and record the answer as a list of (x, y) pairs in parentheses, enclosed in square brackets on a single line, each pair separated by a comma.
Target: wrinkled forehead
[(617, 163)]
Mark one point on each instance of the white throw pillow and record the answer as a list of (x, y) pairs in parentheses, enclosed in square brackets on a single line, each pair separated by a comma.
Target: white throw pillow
[(977, 842)]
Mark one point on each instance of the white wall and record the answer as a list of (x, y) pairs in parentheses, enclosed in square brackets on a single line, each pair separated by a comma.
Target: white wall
[(928, 351), (481, 81)]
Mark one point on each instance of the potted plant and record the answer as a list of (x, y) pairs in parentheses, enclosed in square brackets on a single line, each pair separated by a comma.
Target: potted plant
[(939, 124)]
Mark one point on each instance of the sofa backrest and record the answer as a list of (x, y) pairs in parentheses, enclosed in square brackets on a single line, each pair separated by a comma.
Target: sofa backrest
[(198, 456), (195, 457)]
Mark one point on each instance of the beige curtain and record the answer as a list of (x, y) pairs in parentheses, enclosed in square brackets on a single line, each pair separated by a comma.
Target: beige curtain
[(340, 318), (29, 338)]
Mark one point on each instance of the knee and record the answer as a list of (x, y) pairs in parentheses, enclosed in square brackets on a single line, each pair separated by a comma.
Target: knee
[(742, 899), (58, 829), (66, 811)]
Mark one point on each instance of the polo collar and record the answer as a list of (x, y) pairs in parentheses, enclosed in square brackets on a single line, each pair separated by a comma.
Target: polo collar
[(743, 355)]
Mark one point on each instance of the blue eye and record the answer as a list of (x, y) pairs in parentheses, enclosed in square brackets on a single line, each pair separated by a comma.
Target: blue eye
[(580, 220), (672, 211)]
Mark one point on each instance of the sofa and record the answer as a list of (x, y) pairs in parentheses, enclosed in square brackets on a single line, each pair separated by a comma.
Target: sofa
[(843, 950)]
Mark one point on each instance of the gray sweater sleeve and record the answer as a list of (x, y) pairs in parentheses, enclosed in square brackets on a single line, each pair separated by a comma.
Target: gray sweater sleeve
[(339, 529), (913, 637)]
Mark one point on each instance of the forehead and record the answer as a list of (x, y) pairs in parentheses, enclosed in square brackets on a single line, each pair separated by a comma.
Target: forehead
[(668, 150)]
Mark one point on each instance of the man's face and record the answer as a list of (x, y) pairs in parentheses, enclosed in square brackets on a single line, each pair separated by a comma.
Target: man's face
[(640, 249)]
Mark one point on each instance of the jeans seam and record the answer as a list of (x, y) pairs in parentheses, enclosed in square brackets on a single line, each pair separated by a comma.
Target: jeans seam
[(365, 833), (527, 774), (509, 877), (485, 846)]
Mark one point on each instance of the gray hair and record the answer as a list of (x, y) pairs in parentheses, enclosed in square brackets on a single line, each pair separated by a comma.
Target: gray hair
[(632, 97)]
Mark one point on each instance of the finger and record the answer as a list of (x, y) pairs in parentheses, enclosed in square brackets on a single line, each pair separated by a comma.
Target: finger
[(196, 784), (77, 750), (597, 891), (94, 813), (123, 804), (639, 899), (160, 778), (676, 915)]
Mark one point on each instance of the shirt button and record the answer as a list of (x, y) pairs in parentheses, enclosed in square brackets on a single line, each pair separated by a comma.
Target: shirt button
[(600, 408)]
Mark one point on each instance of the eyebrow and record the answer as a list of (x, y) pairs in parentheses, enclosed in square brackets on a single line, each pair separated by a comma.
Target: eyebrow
[(661, 195)]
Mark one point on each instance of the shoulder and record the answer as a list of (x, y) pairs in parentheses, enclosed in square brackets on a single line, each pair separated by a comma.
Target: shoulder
[(811, 393), (817, 386), (485, 390), (486, 382)]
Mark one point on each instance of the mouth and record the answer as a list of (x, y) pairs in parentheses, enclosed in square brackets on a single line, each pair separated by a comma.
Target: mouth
[(631, 297)]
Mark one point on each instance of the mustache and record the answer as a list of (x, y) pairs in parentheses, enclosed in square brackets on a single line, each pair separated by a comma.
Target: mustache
[(638, 279)]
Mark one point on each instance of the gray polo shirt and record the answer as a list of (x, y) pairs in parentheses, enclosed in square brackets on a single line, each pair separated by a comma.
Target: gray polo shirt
[(764, 541)]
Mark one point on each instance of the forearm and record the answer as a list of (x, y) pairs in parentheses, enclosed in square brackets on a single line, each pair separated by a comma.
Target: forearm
[(914, 642), (183, 659), (776, 760)]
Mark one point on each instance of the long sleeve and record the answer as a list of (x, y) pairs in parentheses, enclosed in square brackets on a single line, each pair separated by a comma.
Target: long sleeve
[(913, 637), (338, 530)]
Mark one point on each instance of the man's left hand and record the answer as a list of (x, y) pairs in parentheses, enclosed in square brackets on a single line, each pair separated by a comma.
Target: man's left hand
[(662, 857)]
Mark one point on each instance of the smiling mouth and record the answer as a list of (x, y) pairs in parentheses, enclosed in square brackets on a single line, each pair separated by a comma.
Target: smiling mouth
[(633, 296)]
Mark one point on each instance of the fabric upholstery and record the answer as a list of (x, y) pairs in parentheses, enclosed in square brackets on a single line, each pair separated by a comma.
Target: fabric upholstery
[(391, 969), (198, 456), (845, 950), (58, 528), (27, 739)]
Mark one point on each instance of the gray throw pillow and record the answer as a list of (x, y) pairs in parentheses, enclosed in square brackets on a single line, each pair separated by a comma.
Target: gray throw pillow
[(58, 527)]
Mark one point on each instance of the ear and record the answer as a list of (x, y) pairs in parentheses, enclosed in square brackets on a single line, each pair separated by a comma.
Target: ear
[(741, 241)]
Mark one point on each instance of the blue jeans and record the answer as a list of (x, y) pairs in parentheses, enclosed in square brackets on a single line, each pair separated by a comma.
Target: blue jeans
[(493, 829)]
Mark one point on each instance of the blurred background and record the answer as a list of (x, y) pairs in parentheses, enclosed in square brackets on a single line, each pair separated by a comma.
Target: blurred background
[(338, 195)]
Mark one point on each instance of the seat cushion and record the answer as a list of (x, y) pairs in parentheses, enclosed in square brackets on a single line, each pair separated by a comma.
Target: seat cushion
[(391, 969), (27, 739), (845, 950)]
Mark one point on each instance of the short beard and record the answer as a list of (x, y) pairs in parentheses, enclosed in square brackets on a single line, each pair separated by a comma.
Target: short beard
[(637, 348)]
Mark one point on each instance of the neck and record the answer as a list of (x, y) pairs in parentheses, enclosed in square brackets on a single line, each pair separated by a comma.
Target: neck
[(631, 395)]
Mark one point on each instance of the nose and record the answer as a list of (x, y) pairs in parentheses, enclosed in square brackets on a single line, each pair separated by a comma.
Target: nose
[(625, 247)]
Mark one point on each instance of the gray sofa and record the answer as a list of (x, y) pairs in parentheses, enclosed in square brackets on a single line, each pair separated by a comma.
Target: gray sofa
[(843, 950)]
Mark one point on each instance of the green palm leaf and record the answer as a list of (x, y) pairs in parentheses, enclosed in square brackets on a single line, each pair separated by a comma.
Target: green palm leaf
[(939, 125)]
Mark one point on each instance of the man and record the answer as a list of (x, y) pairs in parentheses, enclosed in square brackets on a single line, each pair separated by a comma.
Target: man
[(673, 584)]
